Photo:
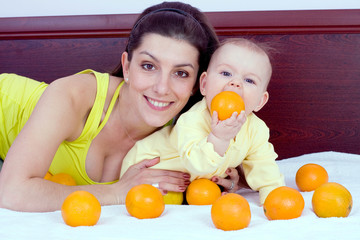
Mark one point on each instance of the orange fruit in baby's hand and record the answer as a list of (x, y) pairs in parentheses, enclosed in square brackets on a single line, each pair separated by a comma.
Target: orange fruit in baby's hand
[(81, 208), (63, 178), (202, 192), (332, 200), (226, 103), (283, 203), (231, 212), (144, 201), (311, 176)]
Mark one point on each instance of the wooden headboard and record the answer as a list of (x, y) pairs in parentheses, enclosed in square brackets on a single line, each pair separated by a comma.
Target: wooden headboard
[(314, 92)]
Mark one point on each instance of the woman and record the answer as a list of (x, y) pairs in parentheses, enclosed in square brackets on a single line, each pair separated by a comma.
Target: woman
[(85, 124)]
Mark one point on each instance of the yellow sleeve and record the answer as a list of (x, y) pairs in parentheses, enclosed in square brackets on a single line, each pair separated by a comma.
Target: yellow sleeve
[(155, 145), (260, 169), (196, 153)]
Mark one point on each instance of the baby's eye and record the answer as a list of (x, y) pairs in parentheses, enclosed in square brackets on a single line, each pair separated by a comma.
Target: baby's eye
[(226, 74), (148, 66), (248, 80), (182, 74)]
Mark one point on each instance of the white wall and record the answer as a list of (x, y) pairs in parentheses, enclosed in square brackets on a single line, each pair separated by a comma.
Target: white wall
[(21, 8)]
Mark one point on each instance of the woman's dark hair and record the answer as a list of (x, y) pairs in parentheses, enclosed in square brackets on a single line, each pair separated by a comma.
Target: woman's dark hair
[(176, 20)]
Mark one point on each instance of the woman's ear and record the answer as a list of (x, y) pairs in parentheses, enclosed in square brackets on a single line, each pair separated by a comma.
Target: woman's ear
[(263, 101), (202, 81), (125, 64)]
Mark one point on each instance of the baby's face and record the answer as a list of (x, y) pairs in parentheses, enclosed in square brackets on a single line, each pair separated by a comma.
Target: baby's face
[(241, 70)]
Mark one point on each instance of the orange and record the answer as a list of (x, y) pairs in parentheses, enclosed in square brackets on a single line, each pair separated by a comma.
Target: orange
[(202, 192), (311, 176), (63, 178), (47, 176), (81, 208), (332, 200), (176, 198), (283, 203), (231, 212), (226, 103), (144, 201)]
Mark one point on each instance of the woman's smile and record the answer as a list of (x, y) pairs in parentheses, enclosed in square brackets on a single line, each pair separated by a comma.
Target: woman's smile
[(158, 105)]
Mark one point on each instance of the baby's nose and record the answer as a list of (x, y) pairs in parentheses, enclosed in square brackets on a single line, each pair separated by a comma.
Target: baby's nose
[(234, 84)]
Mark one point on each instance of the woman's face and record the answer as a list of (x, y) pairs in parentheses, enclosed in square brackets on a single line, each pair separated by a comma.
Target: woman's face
[(161, 76)]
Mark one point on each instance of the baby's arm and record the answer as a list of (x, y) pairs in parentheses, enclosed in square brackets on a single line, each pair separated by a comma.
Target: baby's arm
[(153, 146), (223, 131), (260, 168)]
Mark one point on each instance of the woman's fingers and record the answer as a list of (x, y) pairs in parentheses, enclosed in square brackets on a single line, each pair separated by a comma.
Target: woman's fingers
[(165, 180)]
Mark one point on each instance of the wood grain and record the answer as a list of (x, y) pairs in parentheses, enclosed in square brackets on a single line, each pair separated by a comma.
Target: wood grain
[(314, 92)]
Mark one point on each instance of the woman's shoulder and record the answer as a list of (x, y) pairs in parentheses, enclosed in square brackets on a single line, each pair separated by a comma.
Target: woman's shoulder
[(84, 86)]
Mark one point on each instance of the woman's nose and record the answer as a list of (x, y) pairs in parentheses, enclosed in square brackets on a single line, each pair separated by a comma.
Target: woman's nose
[(162, 85)]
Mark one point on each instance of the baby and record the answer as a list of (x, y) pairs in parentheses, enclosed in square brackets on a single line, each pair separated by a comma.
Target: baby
[(204, 146)]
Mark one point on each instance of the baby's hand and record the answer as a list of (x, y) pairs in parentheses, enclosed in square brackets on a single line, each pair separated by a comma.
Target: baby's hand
[(229, 128)]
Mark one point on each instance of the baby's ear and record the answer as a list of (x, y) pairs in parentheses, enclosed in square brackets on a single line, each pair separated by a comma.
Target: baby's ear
[(202, 81), (264, 99)]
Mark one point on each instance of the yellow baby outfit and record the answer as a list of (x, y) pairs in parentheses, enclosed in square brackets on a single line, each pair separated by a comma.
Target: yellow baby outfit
[(184, 147), (18, 97)]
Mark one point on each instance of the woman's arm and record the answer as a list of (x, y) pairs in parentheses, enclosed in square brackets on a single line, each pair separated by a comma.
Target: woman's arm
[(59, 115)]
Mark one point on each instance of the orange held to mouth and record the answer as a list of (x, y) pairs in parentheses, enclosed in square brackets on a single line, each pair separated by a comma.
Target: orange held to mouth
[(226, 103)]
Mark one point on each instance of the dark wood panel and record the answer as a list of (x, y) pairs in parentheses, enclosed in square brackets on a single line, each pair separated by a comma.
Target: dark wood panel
[(314, 94), (315, 90), (225, 23), (49, 59)]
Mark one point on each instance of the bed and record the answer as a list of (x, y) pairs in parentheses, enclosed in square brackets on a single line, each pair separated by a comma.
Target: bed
[(194, 222), (313, 113)]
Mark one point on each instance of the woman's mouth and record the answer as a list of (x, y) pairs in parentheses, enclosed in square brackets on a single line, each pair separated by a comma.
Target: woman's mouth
[(157, 104)]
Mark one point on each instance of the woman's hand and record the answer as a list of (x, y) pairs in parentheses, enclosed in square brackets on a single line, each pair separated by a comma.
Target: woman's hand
[(141, 173), (233, 182)]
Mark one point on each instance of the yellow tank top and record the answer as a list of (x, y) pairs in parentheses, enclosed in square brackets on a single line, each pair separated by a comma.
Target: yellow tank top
[(71, 156)]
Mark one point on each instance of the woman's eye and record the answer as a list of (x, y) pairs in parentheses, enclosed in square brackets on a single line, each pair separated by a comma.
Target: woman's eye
[(148, 66), (182, 74), (226, 74)]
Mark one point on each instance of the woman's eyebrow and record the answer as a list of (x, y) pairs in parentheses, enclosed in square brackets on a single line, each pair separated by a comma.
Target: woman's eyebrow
[(157, 60)]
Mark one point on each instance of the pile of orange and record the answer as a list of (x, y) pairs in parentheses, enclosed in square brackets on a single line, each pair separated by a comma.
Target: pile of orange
[(175, 198), (231, 212), (311, 176), (47, 176), (202, 192), (226, 103), (61, 178), (283, 203), (329, 199), (144, 201), (332, 200), (81, 208)]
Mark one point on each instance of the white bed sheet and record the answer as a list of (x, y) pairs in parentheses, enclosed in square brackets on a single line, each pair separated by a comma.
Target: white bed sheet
[(194, 222)]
